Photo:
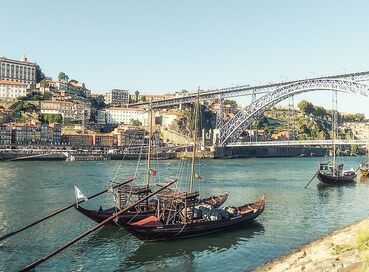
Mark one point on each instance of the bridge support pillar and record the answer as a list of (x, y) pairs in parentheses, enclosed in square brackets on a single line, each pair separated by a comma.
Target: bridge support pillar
[(220, 114)]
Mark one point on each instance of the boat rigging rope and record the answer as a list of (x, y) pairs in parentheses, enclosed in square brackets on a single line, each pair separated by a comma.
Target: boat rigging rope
[(121, 162)]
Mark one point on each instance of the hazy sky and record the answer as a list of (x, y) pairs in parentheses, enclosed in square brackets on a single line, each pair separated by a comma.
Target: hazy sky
[(164, 46)]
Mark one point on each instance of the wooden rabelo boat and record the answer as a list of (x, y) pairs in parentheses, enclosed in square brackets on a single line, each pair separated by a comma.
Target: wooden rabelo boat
[(179, 215), (141, 211), (333, 174)]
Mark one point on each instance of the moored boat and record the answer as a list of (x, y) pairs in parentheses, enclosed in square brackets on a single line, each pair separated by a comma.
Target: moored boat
[(333, 174), (182, 225), (101, 214)]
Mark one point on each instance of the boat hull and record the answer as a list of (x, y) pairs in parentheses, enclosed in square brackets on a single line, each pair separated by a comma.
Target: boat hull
[(334, 180), (100, 215), (182, 231)]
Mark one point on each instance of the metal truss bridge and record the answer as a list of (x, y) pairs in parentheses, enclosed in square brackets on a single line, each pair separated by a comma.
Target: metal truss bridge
[(299, 143), (269, 95), (243, 90)]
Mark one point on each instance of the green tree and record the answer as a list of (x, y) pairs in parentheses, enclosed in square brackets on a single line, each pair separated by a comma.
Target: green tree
[(354, 150), (95, 103), (135, 122), (306, 107), (230, 102), (25, 107), (51, 118), (143, 98), (136, 95), (320, 112), (63, 76)]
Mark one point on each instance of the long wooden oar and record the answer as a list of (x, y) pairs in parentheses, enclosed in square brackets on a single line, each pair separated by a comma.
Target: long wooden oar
[(311, 179), (43, 259), (59, 211)]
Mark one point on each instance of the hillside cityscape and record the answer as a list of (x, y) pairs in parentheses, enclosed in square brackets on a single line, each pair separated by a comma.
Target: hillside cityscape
[(41, 112)]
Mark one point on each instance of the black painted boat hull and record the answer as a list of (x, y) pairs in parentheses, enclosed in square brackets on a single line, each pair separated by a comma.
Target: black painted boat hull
[(334, 180), (100, 215), (181, 231)]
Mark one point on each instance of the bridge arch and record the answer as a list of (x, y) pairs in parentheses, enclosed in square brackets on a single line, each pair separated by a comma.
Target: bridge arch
[(231, 130)]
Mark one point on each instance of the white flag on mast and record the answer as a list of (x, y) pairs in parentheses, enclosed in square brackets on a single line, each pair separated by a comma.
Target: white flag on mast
[(79, 195)]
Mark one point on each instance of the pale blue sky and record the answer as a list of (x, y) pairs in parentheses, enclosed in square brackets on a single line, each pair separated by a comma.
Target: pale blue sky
[(162, 46)]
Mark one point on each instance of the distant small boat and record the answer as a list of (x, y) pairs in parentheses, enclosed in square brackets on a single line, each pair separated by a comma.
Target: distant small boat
[(333, 174)]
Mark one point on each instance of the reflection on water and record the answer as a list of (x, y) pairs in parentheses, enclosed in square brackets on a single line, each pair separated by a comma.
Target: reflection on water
[(293, 215), (158, 252)]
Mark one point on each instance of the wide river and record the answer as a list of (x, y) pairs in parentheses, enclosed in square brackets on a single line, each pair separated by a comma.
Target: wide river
[(293, 215)]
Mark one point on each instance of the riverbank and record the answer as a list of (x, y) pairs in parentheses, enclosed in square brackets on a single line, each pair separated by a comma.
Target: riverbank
[(51, 154), (346, 249)]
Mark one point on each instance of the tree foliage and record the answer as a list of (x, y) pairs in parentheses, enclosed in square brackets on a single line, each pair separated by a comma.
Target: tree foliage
[(63, 76), (136, 95), (230, 102), (97, 104), (306, 107), (348, 117), (135, 122), (51, 118), (25, 107)]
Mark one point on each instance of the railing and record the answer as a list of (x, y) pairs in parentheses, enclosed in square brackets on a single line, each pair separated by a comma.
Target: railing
[(299, 143)]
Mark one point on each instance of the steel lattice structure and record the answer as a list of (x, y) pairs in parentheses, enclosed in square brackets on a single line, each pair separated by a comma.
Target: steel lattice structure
[(244, 90), (231, 131), (299, 143)]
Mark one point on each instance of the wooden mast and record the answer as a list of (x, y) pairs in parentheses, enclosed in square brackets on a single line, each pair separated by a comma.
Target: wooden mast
[(149, 149), (334, 127), (194, 142)]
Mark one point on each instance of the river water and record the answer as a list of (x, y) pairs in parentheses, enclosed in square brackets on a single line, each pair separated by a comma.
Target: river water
[(293, 215)]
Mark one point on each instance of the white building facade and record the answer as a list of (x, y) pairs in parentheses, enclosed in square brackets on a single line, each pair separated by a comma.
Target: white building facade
[(121, 115), (12, 89)]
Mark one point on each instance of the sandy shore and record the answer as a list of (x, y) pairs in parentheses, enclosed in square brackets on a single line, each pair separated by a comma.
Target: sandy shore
[(345, 249)]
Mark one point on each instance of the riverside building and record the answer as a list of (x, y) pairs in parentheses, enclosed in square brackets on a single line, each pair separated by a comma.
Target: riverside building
[(21, 71), (12, 89), (117, 97), (5, 135), (70, 111), (122, 115)]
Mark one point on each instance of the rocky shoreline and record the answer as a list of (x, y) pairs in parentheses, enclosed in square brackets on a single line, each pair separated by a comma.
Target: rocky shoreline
[(346, 249)]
